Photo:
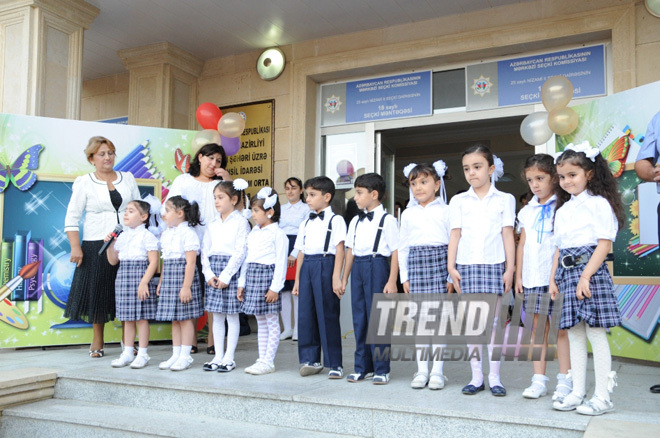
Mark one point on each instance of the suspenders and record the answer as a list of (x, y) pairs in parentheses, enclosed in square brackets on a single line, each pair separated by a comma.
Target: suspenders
[(328, 234), (378, 234)]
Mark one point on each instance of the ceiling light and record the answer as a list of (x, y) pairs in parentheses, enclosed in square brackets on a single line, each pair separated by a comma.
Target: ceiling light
[(270, 64), (653, 6)]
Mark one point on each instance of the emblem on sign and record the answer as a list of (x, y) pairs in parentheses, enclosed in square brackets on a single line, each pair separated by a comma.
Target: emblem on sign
[(481, 86), (332, 104)]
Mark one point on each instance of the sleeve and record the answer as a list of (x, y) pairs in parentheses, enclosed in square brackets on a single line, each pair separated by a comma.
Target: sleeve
[(243, 275), (190, 240), (509, 212), (294, 251), (150, 241), (281, 248), (403, 248), (391, 233), (205, 248), (176, 188), (300, 238), (338, 230), (650, 147), (604, 220), (133, 187), (522, 217), (350, 237), (76, 206), (240, 250), (455, 219)]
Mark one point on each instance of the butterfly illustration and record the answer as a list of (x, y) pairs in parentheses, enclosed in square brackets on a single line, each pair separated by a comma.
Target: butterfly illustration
[(21, 172), (182, 162), (616, 154)]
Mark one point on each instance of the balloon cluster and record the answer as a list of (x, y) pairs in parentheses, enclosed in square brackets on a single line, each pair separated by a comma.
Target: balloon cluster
[(538, 127), (223, 129)]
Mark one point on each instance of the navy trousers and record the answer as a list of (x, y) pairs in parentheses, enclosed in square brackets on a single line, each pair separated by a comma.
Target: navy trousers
[(318, 312), (368, 277)]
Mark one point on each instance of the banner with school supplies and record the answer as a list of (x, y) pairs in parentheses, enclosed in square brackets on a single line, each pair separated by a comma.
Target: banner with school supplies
[(39, 160), (617, 125)]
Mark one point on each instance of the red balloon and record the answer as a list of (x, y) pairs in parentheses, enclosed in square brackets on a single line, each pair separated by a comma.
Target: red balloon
[(208, 115)]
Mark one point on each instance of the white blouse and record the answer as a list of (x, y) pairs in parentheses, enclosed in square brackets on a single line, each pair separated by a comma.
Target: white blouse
[(135, 243), (481, 222), (291, 216), (312, 233), (91, 196), (201, 192), (536, 220), (361, 235), (267, 246), (422, 226), (176, 241), (584, 220), (228, 238)]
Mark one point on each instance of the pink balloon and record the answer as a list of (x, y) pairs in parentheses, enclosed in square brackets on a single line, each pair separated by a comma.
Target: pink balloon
[(230, 145)]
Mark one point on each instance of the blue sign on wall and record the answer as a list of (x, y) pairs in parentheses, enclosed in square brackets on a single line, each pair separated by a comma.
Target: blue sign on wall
[(520, 79), (390, 97)]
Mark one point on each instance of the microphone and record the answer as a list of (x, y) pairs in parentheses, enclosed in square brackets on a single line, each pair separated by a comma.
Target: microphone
[(116, 232)]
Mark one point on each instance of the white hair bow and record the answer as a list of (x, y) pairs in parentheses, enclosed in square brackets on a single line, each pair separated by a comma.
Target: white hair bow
[(240, 184), (441, 169), (156, 225), (499, 169), (408, 169), (269, 200), (585, 148)]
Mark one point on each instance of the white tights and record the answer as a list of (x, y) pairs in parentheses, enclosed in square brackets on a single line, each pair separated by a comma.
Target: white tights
[(234, 328), (268, 333), (286, 311), (577, 336)]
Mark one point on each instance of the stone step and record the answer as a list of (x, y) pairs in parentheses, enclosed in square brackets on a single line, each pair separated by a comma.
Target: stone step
[(75, 418), (316, 410)]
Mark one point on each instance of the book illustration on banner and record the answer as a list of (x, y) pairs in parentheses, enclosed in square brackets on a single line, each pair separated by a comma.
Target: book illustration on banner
[(9, 313), (639, 305), (21, 172)]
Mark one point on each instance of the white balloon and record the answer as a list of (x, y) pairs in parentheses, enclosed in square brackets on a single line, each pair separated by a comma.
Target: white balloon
[(231, 125), (205, 137), (534, 128)]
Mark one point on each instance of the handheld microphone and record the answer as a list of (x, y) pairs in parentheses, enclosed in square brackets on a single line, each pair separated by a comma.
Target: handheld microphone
[(116, 232)]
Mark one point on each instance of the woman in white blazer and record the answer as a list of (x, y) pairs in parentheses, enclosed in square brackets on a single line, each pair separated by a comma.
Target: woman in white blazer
[(102, 196)]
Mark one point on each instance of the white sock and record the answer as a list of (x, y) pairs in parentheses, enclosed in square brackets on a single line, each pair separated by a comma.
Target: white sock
[(273, 337), (602, 360), (438, 365), (286, 311), (142, 351), (494, 371), (128, 351), (185, 350), (577, 338), (262, 335), (475, 365), (219, 336), (540, 378), (422, 352), (176, 350), (234, 327)]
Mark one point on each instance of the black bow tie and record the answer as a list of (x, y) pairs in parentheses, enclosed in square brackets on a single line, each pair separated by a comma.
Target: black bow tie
[(313, 215), (369, 215)]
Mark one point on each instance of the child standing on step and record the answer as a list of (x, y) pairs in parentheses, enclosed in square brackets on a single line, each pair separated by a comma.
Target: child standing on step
[(481, 247), (223, 252), (585, 227), (318, 281), (534, 263), (136, 251), (262, 277), (180, 295), (424, 237), (372, 242)]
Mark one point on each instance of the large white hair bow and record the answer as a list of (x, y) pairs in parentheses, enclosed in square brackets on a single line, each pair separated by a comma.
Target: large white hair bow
[(240, 184), (408, 169), (585, 148), (499, 169), (269, 200), (441, 169), (156, 225)]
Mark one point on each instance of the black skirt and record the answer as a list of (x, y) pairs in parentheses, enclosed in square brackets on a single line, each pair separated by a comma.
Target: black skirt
[(92, 294)]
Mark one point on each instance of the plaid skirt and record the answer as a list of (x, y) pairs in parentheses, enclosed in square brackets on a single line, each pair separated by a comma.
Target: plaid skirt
[(129, 306), (543, 302), (222, 300), (601, 310), (257, 283), (427, 269), (170, 307), (481, 279)]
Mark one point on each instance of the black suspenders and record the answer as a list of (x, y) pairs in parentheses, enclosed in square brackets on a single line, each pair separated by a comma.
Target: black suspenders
[(378, 234), (328, 234)]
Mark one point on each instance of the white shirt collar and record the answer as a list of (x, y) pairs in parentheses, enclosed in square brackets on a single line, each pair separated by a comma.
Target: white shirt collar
[(534, 202)]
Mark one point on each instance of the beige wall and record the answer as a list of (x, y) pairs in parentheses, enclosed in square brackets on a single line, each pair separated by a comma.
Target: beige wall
[(634, 34)]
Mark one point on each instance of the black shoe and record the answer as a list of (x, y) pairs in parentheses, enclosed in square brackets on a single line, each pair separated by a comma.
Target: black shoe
[(210, 350), (498, 391), (471, 389), (194, 349), (655, 389)]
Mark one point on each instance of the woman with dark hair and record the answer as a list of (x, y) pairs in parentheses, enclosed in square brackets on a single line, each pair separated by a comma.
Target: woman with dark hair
[(101, 196), (206, 169)]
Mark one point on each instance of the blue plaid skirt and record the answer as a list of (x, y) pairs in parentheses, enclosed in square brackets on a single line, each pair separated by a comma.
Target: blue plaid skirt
[(543, 302), (601, 310), (129, 306), (170, 307), (427, 269), (481, 279), (222, 300), (257, 283)]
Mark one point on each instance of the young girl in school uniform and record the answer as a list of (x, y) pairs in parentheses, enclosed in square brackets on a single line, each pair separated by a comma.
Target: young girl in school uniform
[(534, 263), (424, 236), (481, 247), (585, 227), (294, 212), (180, 295), (223, 252), (262, 277), (136, 251)]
